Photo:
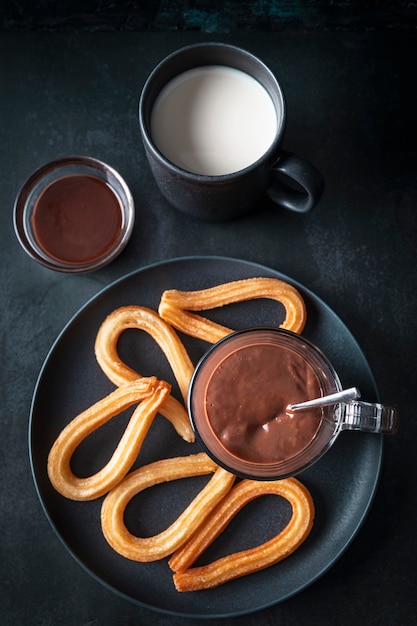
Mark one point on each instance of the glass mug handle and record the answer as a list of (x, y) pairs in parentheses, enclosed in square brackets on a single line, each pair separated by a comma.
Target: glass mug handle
[(369, 417), (308, 180)]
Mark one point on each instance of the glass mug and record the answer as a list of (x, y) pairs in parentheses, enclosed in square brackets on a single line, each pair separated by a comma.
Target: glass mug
[(239, 404), (212, 119)]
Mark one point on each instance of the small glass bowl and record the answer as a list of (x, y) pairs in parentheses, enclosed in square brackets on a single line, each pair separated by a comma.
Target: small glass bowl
[(45, 176)]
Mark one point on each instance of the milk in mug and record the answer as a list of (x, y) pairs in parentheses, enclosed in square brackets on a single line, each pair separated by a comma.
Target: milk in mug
[(214, 120)]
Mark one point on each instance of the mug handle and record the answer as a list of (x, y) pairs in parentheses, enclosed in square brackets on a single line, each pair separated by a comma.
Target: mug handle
[(307, 178), (370, 418)]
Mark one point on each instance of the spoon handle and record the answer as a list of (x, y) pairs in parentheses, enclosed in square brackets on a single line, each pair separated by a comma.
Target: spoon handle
[(345, 395)]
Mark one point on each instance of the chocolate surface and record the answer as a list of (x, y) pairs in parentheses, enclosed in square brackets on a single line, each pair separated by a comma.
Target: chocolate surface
[(247, 403), (77, 219)]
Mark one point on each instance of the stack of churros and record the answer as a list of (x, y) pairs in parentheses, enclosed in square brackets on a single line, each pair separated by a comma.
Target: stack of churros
[(206, 517)]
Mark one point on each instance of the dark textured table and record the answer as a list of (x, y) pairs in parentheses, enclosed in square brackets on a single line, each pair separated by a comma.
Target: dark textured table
[(352, 111)]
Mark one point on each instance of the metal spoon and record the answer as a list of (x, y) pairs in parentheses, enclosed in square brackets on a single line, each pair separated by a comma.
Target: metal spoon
[(345, 395)]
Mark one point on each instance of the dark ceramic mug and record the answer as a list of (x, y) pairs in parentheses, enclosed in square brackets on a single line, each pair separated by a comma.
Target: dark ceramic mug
[(212, 119)]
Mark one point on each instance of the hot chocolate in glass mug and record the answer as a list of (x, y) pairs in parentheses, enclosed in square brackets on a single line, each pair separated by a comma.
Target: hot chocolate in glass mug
[(262, 402), (212, 119)]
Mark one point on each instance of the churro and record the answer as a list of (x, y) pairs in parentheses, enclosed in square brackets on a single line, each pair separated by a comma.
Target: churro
[(148, 394), (165, 543), (119, 373), (188, 578), (175, 306)]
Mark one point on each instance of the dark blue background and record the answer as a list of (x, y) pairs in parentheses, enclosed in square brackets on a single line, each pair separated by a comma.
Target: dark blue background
[(348, 71), (209, 16)]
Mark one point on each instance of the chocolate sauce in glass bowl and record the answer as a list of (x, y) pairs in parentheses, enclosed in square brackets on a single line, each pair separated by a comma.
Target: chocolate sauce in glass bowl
[(74, 214)]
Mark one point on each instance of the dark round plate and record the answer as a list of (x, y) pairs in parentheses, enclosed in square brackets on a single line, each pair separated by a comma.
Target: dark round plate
[(342, 483)]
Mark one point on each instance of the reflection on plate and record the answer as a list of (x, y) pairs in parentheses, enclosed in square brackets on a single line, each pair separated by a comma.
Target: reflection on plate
[(71, 380)]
